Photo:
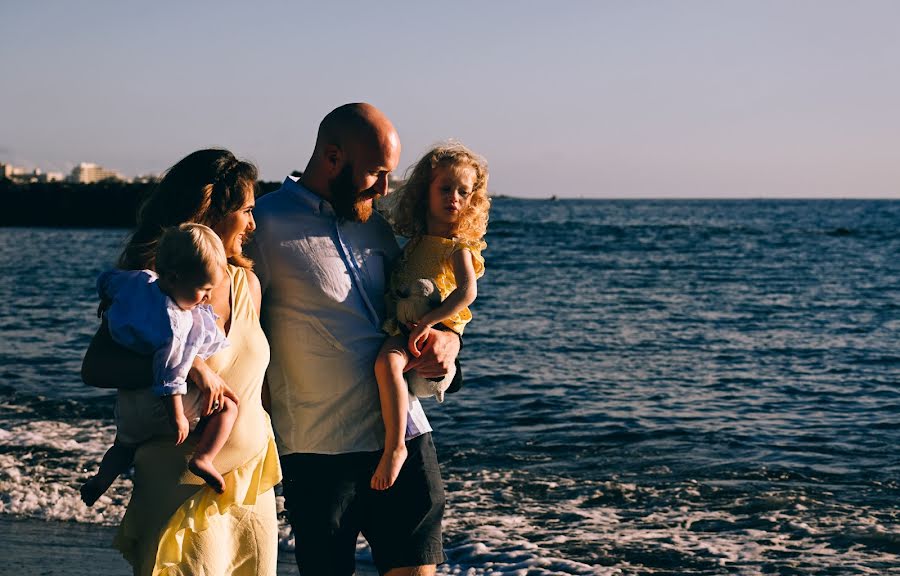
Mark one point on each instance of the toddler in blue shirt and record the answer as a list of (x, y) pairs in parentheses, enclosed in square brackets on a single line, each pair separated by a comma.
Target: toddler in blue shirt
[(165, 314)]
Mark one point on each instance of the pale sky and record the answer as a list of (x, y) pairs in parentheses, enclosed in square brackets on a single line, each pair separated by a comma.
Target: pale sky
[(797, 98)]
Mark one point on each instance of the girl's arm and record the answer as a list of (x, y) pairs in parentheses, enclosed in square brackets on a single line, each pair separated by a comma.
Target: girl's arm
[(465, 293)]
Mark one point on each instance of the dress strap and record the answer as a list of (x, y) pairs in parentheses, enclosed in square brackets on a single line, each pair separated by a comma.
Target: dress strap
[(241, 303)]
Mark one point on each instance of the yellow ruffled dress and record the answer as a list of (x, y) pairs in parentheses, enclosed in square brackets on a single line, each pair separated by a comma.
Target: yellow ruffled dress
[(431, 257), (177, 525)]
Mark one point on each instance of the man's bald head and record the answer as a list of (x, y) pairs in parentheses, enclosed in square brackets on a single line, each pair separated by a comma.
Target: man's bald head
[(357, 148), (357, 124)]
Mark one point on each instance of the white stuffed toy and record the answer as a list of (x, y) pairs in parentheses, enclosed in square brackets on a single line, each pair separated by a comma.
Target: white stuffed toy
[(414, 301)]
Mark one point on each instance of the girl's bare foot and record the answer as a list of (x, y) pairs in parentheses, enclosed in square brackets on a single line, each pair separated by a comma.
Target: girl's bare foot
[(94, 488), (388, 468), (205, 470)]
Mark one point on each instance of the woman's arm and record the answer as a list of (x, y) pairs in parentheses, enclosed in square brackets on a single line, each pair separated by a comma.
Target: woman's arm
[(465, 293), (255, 290), (256, 297), (108, 365), (266, 396)]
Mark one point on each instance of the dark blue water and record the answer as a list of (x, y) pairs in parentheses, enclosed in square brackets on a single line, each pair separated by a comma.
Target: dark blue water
[(653, 387)]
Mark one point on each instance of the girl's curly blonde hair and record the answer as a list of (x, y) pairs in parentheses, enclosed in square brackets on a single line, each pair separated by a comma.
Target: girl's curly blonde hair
[(407, 208)]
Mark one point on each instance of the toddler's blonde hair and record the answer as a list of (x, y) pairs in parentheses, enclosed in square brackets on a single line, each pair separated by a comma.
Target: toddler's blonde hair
[(190, 252)]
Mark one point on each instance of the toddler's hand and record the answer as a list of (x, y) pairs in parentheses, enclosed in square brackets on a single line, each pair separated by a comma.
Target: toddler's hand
[(418, 335), (182, 427)]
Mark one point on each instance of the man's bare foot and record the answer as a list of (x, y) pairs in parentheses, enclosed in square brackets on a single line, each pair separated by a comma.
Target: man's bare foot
[(94, 488), (388, 468), (205, 470)]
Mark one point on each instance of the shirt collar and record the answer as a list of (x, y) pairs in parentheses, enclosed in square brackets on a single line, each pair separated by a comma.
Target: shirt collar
[(308, 198)]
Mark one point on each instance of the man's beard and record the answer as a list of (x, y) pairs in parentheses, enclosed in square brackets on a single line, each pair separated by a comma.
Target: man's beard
[(347, 201)]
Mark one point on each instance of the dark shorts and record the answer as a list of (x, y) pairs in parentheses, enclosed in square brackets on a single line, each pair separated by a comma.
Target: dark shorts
[(329, 503)]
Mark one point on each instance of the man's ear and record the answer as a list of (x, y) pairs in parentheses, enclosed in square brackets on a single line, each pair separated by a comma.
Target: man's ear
[(334, 158)]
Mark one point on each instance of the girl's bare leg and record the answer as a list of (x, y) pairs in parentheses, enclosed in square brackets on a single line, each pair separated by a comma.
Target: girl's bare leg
[(394, 399), (117, 460), (214, 435)]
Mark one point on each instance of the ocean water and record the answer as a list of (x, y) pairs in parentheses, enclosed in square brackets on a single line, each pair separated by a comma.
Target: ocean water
[(652, 387)]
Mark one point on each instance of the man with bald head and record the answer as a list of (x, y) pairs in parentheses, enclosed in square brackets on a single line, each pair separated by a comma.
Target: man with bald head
[(323, 257)]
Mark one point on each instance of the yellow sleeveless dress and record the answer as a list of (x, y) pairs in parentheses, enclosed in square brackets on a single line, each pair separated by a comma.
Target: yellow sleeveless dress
[(177, 525), (432, 257)]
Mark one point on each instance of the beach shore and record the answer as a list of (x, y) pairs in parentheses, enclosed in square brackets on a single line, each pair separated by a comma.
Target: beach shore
[(46, 548)]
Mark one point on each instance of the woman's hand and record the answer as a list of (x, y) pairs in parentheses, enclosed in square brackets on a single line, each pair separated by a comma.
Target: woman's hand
[(214, 389), (437, 356)]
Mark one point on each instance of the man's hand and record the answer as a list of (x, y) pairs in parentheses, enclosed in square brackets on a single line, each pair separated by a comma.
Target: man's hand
[(437, 355), (212, 386)]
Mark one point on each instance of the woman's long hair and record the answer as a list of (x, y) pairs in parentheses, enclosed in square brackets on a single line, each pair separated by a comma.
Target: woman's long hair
[(203, 187)]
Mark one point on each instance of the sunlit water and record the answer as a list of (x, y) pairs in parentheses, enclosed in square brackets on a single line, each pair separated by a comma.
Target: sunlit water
[(668, 387)]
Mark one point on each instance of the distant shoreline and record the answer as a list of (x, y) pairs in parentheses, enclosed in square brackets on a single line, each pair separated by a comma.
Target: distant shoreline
[(113, 204)]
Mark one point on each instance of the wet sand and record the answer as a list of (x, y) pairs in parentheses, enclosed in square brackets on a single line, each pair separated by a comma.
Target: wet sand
[(39, 548)]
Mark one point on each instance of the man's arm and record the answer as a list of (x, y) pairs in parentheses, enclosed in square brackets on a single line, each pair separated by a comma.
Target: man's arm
[(438, 354)]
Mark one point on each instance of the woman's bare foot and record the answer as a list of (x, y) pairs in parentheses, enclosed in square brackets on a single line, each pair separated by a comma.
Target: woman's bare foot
[(388, 468), (205, 470), (94, 488)]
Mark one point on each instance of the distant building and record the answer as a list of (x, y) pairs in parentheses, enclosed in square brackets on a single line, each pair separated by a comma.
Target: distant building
[(88, 173), (49, 176), (146, 178), (395, 184), (20, 175), (10, 172)]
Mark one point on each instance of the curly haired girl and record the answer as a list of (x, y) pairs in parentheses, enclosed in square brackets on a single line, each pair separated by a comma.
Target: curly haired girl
[(443, 209)]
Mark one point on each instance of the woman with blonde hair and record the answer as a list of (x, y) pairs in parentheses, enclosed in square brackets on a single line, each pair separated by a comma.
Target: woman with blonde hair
[(175, 523)]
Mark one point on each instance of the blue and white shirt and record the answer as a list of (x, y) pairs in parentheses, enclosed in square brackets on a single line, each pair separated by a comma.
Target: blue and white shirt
[(143, 319)]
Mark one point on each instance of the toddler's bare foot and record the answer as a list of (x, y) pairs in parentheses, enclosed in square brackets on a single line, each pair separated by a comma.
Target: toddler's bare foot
[(205, 469), (389, 468), (93, 489)]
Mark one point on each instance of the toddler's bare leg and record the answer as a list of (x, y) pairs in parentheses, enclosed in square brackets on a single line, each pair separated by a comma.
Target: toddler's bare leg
[(117, 460), (215, 434), (394, 399)]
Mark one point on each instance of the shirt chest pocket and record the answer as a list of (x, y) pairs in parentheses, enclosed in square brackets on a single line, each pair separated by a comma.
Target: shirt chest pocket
[(373, 270)]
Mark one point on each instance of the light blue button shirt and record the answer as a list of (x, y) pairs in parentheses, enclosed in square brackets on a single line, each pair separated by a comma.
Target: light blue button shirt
[(323, 282)]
